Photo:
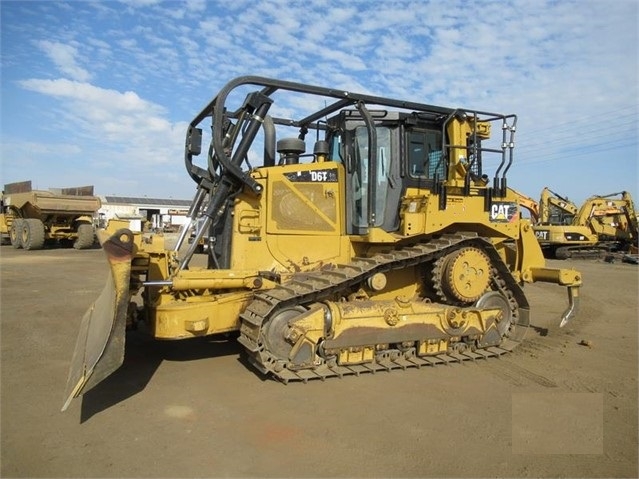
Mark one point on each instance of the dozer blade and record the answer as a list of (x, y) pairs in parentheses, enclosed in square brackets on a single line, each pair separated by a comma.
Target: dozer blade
[(99, 349)]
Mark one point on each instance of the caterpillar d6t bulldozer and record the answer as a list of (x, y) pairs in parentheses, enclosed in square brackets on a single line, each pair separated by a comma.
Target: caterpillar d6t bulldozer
[(388, 246)]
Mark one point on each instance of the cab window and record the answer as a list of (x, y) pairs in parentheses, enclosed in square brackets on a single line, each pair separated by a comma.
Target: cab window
[(425, 159), (360, 186)]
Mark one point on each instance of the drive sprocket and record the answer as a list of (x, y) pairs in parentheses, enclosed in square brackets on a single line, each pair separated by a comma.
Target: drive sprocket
[(462, 276)]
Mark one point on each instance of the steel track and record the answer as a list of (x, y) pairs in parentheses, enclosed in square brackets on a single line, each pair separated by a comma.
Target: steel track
[(309, 287)]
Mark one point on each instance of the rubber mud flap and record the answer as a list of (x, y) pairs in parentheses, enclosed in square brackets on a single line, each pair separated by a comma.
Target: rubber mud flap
[(99, 349)]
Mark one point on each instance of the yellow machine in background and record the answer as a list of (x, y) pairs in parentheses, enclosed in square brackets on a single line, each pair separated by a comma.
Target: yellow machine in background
[(601, 225), (555, 209), (386, 247), (32, 217), (612, 219), (529, 204)]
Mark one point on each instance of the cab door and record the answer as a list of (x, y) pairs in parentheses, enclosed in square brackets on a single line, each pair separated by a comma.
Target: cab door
[(373, 194)]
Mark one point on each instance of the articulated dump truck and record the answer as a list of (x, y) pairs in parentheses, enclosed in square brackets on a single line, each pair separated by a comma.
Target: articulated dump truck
[(31, 218), (395, 243)]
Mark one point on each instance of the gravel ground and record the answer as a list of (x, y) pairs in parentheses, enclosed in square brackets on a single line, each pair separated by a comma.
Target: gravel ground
[(564, 404)]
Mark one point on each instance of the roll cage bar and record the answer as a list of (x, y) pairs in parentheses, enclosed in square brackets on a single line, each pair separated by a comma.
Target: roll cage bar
[(224, 176)]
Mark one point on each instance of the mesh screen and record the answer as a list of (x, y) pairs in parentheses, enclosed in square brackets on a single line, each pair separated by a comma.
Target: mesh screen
[(303, 206)]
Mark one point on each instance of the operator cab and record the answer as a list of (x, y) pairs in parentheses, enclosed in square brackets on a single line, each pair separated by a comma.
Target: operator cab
[(408, 153)]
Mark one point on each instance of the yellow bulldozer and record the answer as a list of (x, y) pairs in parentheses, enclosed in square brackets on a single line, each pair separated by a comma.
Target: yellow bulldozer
[(388, 246)]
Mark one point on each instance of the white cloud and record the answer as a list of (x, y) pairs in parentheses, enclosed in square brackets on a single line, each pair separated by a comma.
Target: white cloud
[(65, 59), (117, 131), (45, 149), (549, 62), (98, 98), (141, 3)]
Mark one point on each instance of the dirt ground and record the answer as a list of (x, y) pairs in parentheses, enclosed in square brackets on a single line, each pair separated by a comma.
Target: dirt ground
[(564, 404)]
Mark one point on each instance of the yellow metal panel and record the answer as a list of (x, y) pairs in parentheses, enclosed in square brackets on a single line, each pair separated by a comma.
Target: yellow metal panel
[(303, 207), (178, 319), (432, 346), (305, 198), (303, 253), (420, 214), (297, 224)]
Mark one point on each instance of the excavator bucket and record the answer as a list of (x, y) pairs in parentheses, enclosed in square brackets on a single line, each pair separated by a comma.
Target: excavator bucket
[(99, 349)]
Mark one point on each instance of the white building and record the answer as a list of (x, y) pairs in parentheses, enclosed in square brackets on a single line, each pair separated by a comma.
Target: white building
[(144, 213)]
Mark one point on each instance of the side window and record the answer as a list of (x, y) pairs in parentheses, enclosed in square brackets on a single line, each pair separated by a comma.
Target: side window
[(425, 154), (417, 159)]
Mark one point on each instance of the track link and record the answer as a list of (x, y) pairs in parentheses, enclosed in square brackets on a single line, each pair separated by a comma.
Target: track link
[(325, 370), (309, 287)]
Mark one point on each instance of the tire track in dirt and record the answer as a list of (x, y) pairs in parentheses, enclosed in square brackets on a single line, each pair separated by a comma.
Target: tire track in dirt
[(516, 374)]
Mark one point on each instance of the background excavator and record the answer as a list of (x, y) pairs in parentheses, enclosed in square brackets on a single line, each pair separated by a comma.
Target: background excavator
[(555, 209), (603, 224), (528, 204), (387, 247)]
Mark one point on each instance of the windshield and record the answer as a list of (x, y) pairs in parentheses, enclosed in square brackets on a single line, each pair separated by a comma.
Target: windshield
[(360, 186)]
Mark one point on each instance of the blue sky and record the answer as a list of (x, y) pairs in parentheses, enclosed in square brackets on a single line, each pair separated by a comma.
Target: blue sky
[(101, 92)]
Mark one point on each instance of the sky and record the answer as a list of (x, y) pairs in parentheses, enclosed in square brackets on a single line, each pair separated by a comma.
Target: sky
[(100, 92)]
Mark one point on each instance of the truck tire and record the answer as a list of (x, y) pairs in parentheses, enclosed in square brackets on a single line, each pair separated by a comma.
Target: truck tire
[(86, 236), (15, 233), (32, 234)]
